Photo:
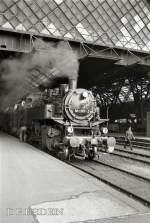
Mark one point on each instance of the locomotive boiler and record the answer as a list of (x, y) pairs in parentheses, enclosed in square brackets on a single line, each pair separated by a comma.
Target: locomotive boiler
[(64, 121)]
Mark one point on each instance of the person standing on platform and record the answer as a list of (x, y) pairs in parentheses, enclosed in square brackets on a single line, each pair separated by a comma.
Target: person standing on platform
[(129, 137), (23, 133)]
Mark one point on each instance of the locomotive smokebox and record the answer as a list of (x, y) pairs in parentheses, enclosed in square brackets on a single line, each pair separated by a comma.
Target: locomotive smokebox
[(72, 84)]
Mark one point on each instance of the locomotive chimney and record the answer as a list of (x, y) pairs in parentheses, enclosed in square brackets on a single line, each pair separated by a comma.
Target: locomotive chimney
[(72, 84), (63, 88)]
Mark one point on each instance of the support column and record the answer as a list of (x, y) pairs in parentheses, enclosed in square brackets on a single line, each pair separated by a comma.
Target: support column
[(148, 124)]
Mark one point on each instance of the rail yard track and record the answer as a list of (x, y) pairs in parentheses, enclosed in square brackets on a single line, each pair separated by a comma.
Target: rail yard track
[(146, 148), (142, 144), (135, 151), (140, 152), (125, 178), (128, 182), (143, 158)]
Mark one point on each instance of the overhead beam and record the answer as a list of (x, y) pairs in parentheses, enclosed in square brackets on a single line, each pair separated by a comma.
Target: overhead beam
[(20, 41)]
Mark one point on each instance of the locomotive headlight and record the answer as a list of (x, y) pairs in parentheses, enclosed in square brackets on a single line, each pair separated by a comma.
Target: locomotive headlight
[(85, 94), (105, 130), (70, 129)]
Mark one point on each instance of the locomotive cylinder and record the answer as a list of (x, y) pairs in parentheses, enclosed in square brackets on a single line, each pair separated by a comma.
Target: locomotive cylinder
[(72, 84)]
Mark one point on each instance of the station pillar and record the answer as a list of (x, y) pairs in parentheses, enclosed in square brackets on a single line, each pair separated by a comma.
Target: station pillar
[(148, 124)]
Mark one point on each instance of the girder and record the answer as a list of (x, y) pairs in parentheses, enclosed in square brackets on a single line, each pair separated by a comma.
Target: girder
[(105, 69)]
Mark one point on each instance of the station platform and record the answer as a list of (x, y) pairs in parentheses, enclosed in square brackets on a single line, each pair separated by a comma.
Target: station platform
[(38, 188)]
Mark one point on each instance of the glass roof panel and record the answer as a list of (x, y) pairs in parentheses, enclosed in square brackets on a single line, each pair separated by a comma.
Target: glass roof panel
[(68, 35), (124, 23), (7, 25), (86, 35), (58, 1), (124, 20), (20, 27)]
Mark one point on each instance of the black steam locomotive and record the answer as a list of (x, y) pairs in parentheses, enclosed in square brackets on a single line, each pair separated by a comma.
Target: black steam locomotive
[(64, 120)]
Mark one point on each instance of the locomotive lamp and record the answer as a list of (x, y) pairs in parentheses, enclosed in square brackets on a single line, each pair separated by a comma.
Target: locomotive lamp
[(23, 103), (15, 107), (70, 129), (84, 94), (105, 130)]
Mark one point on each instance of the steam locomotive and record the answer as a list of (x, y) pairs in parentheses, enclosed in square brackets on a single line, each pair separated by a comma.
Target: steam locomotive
[(64, 120)]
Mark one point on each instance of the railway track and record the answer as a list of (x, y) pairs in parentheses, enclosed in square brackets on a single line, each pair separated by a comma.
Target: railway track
[(134, 151), (132, 173), (146, 148), (138, 143), (140, 153), (132, 184), (139, 157)]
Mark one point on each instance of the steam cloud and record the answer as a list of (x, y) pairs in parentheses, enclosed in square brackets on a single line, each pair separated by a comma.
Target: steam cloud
[(46, 63)]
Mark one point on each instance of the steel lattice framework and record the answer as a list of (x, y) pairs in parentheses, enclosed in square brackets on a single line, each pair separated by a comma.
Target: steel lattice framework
[(110, 24), (122, 23)]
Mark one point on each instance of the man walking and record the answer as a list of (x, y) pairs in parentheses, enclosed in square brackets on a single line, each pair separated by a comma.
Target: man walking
[(128, 138)]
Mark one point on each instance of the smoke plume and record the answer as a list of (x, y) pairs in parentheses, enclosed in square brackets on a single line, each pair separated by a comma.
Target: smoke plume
[(45, 64)]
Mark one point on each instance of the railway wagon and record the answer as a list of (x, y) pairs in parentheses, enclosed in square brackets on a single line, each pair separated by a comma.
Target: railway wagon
[(65, 120)]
